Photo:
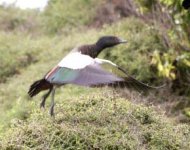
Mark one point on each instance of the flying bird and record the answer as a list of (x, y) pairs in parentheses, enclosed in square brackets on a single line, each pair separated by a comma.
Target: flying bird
[(81, 67)]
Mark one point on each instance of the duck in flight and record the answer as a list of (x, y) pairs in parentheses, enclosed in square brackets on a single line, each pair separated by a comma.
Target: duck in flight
[(81, 67)]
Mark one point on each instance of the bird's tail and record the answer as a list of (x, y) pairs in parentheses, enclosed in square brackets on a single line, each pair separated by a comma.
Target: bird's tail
[(39, 86)]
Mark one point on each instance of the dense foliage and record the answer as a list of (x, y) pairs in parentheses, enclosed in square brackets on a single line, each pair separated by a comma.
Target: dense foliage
[(63, 16)]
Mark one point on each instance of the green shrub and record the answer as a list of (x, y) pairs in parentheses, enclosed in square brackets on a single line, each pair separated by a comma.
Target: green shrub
[(63, 15), (95, 122), (17, 51), (16, 20)]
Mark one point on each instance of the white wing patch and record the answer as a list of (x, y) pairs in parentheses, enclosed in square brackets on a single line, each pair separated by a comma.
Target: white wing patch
[(76, 60)]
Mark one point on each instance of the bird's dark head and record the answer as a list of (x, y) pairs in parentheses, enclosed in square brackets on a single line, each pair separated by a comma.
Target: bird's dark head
[(109, 41)]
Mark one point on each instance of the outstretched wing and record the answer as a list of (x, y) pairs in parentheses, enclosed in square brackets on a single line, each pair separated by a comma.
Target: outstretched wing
[(128, 81), (88, 76), (81, 70), (85, 71)]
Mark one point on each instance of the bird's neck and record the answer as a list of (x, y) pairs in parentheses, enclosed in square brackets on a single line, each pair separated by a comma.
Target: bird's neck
[(92, 50)]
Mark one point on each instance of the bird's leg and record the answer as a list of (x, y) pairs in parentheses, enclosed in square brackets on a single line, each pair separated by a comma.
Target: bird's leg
[(51, 111), (114, 100), (44, 97)]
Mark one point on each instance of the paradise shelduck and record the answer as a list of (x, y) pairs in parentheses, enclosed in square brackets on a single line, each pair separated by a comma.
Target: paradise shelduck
[(81, 67), (186, 4)]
